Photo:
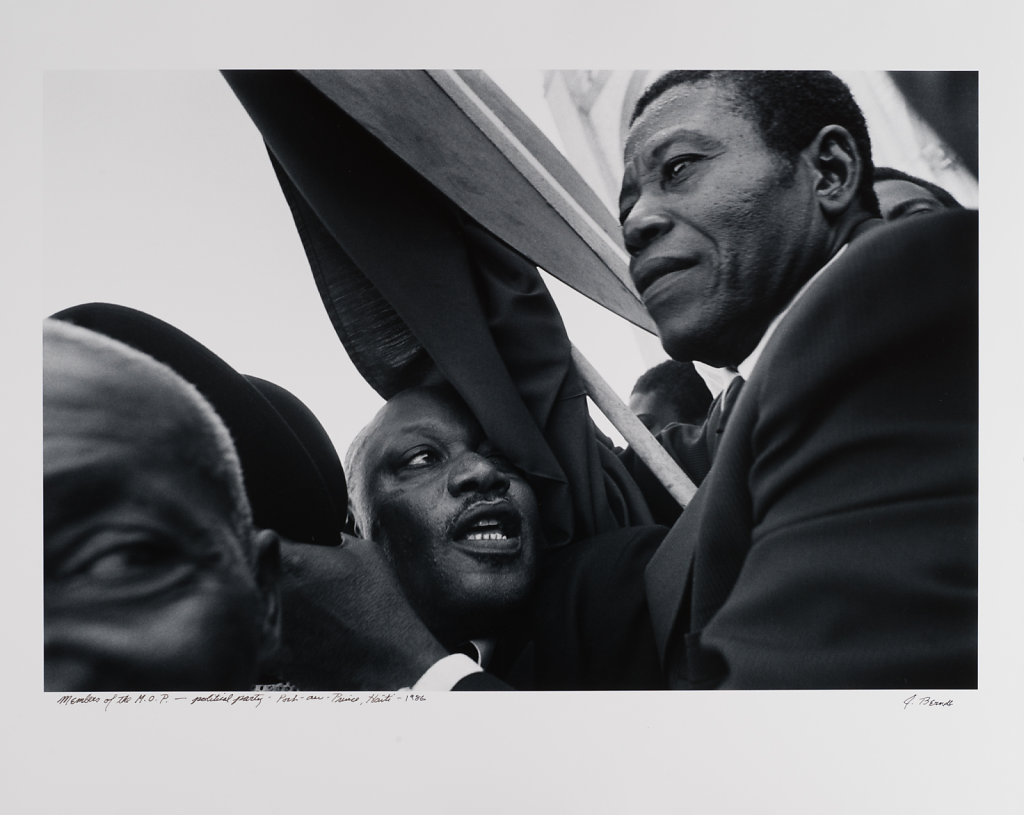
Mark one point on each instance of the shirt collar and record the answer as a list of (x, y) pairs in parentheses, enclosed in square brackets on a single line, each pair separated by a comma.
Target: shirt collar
[(747, 366), (484, 651)]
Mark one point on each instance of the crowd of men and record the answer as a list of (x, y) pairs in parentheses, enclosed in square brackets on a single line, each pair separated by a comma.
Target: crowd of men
[(201, 532)]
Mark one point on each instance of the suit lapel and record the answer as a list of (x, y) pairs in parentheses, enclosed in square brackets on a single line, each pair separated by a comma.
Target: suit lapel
[(669, 572)]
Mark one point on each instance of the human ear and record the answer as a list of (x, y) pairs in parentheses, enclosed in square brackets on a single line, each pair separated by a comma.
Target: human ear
[(351, 525), (838, 168), (267, 546)]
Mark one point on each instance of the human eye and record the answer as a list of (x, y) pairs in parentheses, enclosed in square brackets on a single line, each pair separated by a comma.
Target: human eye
[(628, 195), (915, 209), (124, 560), (419, 458), (625, 207), (677, 166), (139, 559)]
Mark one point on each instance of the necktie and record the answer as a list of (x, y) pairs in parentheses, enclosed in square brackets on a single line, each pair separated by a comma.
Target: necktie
[(717, 419), (668, 572)]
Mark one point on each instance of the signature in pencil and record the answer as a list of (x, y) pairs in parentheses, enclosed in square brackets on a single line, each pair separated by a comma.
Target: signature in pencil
[(925, 701)]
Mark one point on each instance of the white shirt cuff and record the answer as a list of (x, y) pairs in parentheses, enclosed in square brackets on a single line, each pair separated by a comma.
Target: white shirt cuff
[(446, 673)]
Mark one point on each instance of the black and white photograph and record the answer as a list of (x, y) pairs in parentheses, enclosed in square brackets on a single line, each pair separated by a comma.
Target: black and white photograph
[(403, 421)]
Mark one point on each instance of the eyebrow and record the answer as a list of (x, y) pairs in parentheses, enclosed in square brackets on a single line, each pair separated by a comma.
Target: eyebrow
[(664, 138), (88, 495), (400, 435), (80, 494)]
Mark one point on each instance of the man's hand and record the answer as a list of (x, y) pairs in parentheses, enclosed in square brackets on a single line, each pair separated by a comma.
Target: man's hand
[(347, 624)]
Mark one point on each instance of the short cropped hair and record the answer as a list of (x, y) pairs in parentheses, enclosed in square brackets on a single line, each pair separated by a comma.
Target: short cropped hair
[(355, 475), (789, 109), (941, 195), (680, 386), (205, 442)]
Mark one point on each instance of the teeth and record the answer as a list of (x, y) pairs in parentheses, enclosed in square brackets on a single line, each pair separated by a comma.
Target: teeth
[(485, 536)]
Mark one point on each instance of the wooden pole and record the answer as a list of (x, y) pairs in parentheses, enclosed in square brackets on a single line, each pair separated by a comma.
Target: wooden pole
[(633, 431)]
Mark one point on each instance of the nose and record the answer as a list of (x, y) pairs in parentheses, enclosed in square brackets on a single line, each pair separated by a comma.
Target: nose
[(646, 222), (472, 472)]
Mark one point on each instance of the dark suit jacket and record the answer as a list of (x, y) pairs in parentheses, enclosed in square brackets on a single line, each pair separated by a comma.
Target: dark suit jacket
[(590, 626), (691, 446), (833, 543)]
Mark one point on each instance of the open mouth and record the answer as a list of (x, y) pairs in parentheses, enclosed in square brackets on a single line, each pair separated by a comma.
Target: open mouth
[(489, 529)]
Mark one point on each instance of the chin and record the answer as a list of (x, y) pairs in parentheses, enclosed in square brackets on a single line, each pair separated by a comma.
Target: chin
[(509, 589), (683, 349), (691, 346)]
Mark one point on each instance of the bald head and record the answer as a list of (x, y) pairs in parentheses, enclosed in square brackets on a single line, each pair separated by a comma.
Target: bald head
[(95, 387), (150, 556)]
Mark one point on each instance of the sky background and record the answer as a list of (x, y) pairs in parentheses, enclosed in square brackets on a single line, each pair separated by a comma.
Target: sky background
[(159, 195)]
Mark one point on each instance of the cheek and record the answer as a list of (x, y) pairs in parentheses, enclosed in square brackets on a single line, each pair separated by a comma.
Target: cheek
[(401, 521), (758, 232), (748, 221), (525, 501), (204, 637), (216, 625), (412, 531)]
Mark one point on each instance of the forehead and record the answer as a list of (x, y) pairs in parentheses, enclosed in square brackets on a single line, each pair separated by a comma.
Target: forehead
[(110, 399), (896, 190), (428, 413), (703, 111), (639, 399), (116, 415), (126, 455)]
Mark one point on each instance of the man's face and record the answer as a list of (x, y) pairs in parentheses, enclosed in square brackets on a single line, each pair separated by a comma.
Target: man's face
[(900, 199), (459, 523), (655, 413), (721, 230), (146, 582)]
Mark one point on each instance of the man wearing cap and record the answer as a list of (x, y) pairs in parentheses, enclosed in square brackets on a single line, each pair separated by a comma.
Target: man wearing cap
[(154, 576), (293, 481)]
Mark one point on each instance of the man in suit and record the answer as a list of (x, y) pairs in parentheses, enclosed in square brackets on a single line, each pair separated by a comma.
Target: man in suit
[(833, 540), (457, 520), (460, 525), (833, 543)]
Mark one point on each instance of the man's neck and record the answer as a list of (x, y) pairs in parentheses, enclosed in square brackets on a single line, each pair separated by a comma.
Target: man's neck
[(746, 367)]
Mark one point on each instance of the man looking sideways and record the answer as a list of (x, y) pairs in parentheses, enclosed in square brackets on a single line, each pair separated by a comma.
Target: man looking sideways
[(460, 528), (457, 521), (833, 543)]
